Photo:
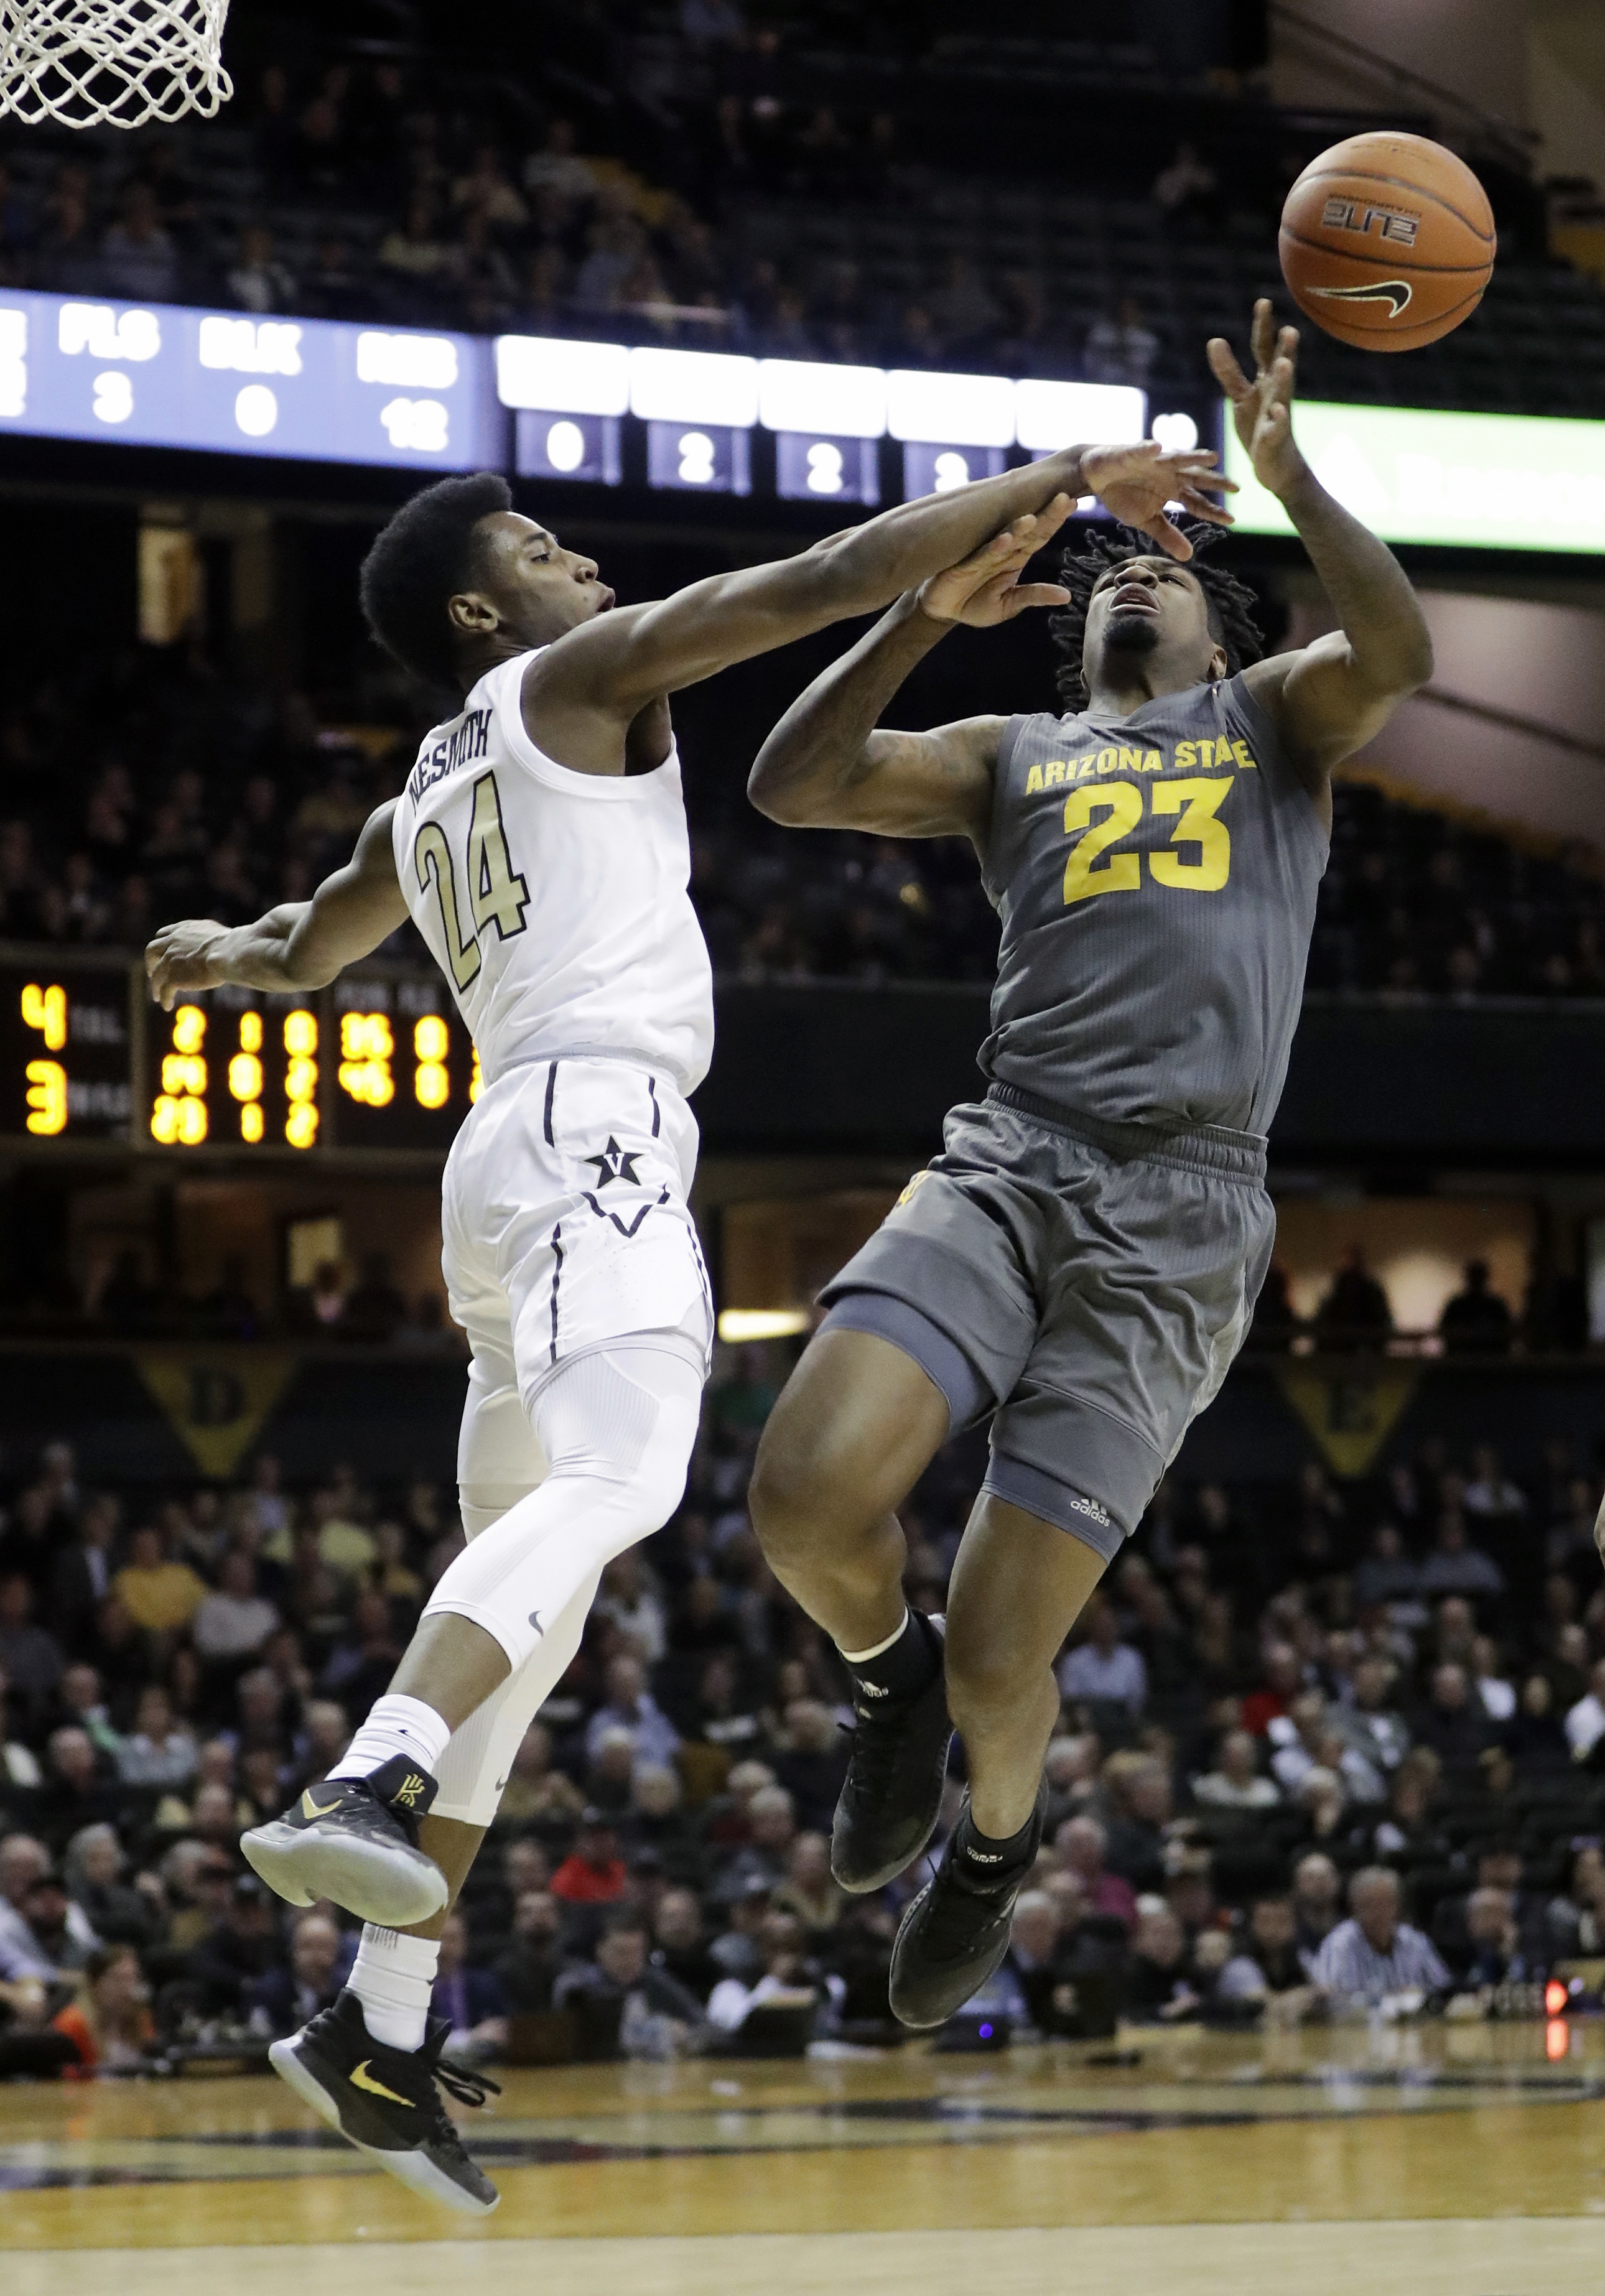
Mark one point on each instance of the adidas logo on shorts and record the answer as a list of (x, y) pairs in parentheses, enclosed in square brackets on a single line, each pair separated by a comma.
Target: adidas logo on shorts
[(1091, 1507)]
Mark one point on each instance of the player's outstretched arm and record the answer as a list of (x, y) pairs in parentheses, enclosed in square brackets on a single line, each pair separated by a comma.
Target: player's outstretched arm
[(300, 945), (826, 767), (1331, 698), (620, 661)]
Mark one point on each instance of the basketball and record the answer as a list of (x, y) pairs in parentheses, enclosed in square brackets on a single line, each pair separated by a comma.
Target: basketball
[(1386, 242)]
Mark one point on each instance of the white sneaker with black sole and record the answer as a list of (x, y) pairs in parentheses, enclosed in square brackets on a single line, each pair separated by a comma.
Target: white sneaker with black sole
[(385, 2102)]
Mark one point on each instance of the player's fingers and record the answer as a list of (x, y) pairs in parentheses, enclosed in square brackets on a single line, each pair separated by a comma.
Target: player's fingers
[(1224, 366), (1026, 595), (1170, 538), (1263, 334), (1201, 506)]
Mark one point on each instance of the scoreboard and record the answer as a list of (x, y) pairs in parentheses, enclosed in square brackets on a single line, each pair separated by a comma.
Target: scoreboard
[(378, 1061)]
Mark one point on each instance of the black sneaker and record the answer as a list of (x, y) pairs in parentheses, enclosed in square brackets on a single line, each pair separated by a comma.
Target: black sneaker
[(385, 2102), (356, 1840), (952, 1937), (892, 1794)]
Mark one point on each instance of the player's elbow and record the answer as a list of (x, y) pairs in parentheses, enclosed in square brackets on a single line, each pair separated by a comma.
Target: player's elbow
[(781, 788)]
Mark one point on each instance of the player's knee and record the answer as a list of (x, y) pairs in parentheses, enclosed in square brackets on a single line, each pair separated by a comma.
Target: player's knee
[(799, 1486), (985, 1679)]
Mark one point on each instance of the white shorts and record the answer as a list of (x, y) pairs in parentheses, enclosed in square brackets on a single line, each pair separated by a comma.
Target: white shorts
[(564, 1226)]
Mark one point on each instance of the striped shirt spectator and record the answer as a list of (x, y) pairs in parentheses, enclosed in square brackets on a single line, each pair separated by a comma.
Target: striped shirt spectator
[(1374, 1954)]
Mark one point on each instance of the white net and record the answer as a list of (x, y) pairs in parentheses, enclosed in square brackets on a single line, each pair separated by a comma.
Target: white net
[(111, 63)]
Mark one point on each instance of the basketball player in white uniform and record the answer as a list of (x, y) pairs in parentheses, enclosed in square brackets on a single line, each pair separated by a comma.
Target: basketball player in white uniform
[(540, 846)]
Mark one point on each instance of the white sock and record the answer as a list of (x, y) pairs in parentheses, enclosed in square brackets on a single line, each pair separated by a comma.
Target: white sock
[(391, 1976), (861, 1658), (394, 1726)]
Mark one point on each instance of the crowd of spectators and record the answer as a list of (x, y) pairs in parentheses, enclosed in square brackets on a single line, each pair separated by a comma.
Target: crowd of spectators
[(1322, 1749), (727, 177), (153, 786)]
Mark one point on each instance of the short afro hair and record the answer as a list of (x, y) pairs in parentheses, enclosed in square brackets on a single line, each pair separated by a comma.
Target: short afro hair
[(422, 558), (1231, 604)]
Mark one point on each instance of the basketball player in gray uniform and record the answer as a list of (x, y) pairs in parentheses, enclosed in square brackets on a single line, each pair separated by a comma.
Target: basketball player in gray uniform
[(1080, 1263)]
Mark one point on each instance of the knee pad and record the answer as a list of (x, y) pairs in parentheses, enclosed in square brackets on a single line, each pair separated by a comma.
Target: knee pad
[(617, 1427)]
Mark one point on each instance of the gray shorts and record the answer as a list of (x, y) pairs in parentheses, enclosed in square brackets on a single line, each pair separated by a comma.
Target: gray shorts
[(1095, 1279)]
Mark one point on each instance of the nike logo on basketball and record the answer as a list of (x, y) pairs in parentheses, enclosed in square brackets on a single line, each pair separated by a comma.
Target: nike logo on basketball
[(361, 2078), (311, 1808), (1395, 292)]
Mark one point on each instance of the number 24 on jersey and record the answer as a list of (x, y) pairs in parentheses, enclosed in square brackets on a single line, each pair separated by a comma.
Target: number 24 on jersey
[(496, 894)]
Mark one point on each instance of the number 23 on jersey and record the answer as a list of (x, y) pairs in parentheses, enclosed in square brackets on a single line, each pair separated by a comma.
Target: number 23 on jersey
[(1108, 815), (496, 894)]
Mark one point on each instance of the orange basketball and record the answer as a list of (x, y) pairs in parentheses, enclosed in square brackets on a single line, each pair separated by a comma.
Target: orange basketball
[(1386, 242)]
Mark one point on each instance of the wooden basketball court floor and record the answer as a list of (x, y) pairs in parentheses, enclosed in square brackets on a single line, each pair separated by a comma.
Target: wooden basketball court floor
[(1435, 2160)]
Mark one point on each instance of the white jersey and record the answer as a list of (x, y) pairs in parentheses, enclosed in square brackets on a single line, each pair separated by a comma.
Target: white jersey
[(556, 903)]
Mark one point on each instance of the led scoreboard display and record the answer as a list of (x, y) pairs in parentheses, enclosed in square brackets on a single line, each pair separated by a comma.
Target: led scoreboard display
[(380, 1061), (65, 1063)]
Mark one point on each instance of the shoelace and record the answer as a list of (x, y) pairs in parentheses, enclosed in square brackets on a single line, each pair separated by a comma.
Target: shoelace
[(467, 2087), (875, 1741)]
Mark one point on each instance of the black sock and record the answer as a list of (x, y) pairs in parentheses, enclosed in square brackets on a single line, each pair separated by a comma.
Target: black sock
[(987, 1864), (903, 1669)]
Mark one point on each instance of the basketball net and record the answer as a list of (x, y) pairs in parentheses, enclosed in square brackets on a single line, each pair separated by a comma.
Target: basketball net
[(111, 63)]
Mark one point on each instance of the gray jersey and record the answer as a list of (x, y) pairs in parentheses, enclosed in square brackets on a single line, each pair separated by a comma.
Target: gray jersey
[(1157, 877)]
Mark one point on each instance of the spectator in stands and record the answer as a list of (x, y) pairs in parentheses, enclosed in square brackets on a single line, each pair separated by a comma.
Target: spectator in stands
[(630, 1706), (234, 1620), (593, 1874), (94, 1867), (529, 1964), (1490, 1495), (81, 1576), (110, 2024), (24, 1863), (1374, 1954), (1137, 1795), (78, 1789), (1160, 1987), (1267, 1967), (1235, 1782), (1122, 349), (159, 1594), (772, 1829), (54, 1936), (469, 1997), (1354, 1311), (241, 1946), (1317, 1897), (628, 2006), (1574, 1920), (1387, 1575), (138, 258), (30, 1658), (1585, 1721), (783, 1983), (807, 1890), (812, 1763), (1454, 1566), (1475, 1321), (1079, 1847), (1101, 1669), (1452, 1722), (1184, 189), (256, 280), (287, 1997)]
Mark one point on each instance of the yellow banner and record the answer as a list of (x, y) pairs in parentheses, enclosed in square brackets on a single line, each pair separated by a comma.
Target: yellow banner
[(1350, 1414), (216, 1398)]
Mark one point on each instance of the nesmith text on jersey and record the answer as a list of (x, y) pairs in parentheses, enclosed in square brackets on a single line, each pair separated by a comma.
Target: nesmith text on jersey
[(468, 738)]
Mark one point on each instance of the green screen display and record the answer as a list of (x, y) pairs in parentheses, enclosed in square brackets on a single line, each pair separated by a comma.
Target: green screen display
[(1492, 481)]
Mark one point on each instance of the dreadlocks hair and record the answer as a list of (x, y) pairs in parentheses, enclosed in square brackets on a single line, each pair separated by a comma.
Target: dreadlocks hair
[(417, 561), (1231, 604)]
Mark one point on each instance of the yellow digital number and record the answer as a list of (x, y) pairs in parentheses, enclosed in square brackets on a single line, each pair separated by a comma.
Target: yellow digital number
[(1122, 802), (45, 1010), (1198, 802), (46, 1096)]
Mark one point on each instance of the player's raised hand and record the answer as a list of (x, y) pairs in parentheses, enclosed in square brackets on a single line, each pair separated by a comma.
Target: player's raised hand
[(985, 588), (185, 955), (1262, 411), (1139, 485)]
